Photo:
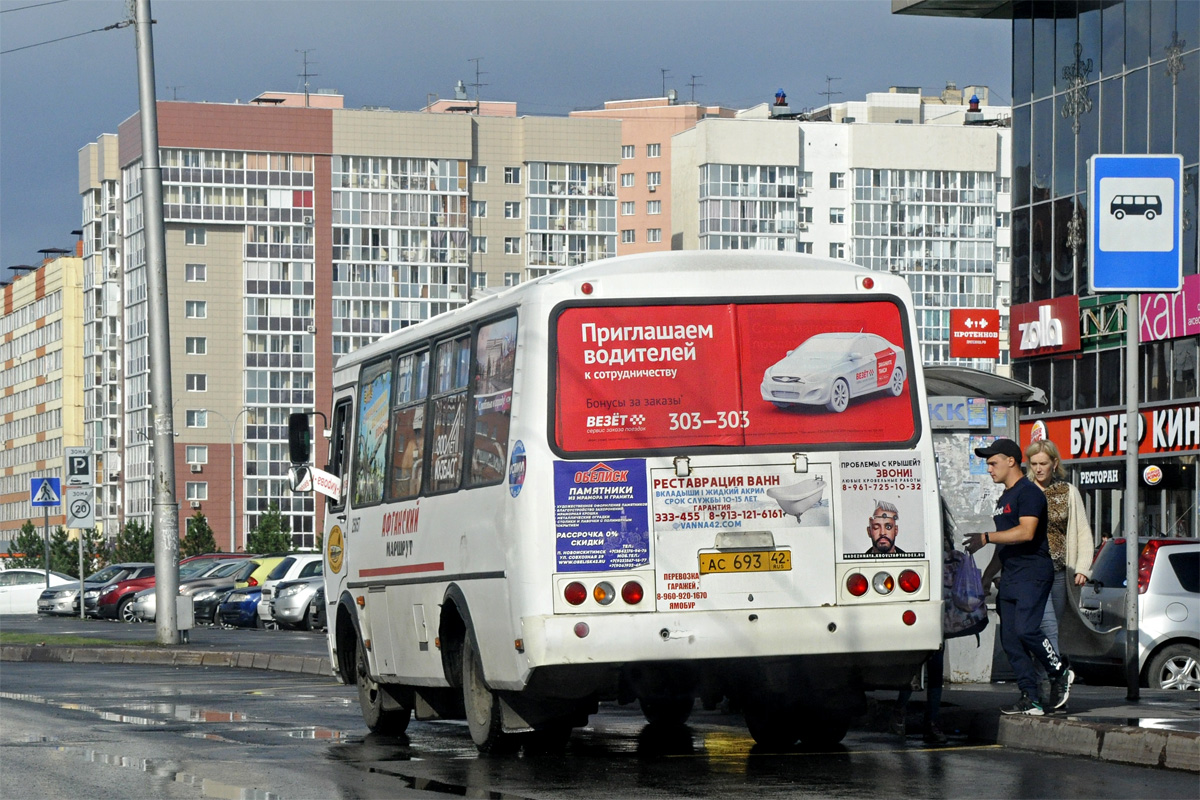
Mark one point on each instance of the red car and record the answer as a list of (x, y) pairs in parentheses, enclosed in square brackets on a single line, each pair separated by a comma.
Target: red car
[(115, 601)]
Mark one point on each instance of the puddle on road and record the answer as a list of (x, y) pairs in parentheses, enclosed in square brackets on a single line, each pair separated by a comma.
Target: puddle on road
[(168, 770)]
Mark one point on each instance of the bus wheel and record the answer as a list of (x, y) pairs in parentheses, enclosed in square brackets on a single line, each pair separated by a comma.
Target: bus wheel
[(386, 721), (1150, 214), (481, 705), (839, 396), (1119, 214), (667, 710), (822, 727), (774, 727)]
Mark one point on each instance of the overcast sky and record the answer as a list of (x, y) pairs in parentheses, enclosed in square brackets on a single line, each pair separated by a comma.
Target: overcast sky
[(551, 57)]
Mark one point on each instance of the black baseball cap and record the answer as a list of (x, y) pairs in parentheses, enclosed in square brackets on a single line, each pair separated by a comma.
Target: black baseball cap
[(1000, 447)]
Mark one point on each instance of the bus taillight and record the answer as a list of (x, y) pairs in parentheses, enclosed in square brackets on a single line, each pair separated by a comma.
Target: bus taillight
[(909, 617), (632, 593), (910, 581), (883, 583), (856, 584), (575, 593), (604, 593)]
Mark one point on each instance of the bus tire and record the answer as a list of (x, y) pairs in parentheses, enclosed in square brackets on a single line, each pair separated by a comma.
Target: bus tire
[(822, 727), (1150, 214), (1119, 214), (385, 721), (667, 711), (774, 727), (481, 705), (839, 396)]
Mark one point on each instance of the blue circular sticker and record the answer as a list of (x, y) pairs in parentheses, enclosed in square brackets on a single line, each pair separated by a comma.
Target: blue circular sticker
[(516, 469)]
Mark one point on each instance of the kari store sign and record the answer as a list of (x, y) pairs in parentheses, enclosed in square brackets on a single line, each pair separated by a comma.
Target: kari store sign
[(756, 374), (1170, 315)]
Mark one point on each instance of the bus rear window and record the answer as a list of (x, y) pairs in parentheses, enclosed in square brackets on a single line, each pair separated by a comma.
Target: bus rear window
[(632, 378)]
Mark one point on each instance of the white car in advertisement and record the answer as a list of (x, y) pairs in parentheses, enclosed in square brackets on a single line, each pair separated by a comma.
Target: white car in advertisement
[(829, 369)]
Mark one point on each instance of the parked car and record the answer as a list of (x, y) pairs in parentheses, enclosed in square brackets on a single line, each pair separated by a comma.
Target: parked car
[(206, 573), (831, 368), (64, 600), (316, 609), (206, 600), (291, 601), (20, 588), (1168, 609), (253, 577), (300, 565), (239, 609)]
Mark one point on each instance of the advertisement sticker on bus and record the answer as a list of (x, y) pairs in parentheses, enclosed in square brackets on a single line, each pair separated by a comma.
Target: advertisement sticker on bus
[(881, 496), (601, 515), (755, 374), (516, 469)]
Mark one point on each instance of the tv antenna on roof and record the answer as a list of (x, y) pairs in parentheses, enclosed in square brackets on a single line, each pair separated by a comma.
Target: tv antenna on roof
[(829, 93), (477, 84), (693, 84), (306, 74)]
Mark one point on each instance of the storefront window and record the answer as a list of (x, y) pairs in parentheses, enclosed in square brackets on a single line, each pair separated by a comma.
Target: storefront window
[(1020, 155), (1020, 256), (1089, 131), (1187, 122), (1064, 146), (1154, 380), (1111, 115), (1020, 371), (1183, 368), (1191, 192), (1041, 244), (1043, 49), (1137, 33), (1082, 265), (1089, 37), (1066, 31), (1043, 149), (1064, 255), (1022, 54), (1162, 110), (1085, 381), (1135, 112), (1039, 376), (1162, 25), (1063, 386), (1112, 31), (1111, 362)]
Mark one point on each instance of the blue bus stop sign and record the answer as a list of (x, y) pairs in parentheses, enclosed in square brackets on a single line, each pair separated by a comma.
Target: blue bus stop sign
[(1135, 237)]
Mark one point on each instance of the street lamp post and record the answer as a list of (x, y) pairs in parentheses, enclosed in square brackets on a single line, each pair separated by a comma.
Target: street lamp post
[(232, 485)]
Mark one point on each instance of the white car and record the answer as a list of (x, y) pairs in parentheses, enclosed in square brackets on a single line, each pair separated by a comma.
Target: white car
[(831, 368), (297, 565), (20, 589)]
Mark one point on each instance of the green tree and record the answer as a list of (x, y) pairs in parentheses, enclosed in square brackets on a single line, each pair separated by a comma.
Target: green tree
[(95, 553), (199, 537), (271, 535), (135, 542), (29, 544), (62, 557)]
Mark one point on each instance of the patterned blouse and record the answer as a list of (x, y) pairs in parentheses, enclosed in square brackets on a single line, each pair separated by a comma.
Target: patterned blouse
[(1058, 500)]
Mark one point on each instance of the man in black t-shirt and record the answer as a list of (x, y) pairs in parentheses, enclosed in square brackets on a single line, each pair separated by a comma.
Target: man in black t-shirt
[(1026, 574)]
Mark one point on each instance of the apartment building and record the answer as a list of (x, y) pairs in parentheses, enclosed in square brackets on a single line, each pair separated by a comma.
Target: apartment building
[(298, 230), (921, 196), (41, 383)]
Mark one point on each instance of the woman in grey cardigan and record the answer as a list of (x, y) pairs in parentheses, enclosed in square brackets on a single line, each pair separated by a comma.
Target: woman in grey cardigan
[(1068, 531)]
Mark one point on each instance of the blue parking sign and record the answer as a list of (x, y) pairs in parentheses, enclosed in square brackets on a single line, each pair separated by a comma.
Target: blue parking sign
[(1135, 237)]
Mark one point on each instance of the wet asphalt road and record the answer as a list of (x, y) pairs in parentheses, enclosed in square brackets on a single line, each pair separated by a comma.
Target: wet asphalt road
[(125, 731)]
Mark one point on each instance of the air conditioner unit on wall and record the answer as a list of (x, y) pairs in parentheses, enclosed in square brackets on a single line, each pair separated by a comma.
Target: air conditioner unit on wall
[(308, 220), (195, 504), (196, 467)]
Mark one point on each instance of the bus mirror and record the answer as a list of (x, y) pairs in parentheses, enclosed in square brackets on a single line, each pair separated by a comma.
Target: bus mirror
[(300, 479), (299, 439)]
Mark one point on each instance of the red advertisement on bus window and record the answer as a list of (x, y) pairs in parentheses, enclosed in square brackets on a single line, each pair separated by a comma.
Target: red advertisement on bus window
[(650, 377)]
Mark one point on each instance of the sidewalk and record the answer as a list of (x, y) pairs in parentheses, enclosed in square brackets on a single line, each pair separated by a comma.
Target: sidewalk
[(1161, 730)]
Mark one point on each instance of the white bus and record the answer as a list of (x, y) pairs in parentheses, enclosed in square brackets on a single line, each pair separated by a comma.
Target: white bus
[(648, 478)]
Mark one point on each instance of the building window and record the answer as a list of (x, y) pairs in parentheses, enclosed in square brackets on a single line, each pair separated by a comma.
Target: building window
[(512, 175), (654, 206), (837, 180), (197, 382), (653, 150), (653, 179), (196, 454), (1004, 185), (512, 278), (837, 250), (479, 209), (478, 174), (195, 345), (837, 215), (512, 210), (196, 236), (804, 247), (804, 179), (627, 151), (626, 179), (197, 490), (478, 280), (628, 236), (478, 244), (196, 419), (804, 214), (654, 235), (195, 273), (1003, 255), (512, 245), (1004, 219), (628, 208), (195, 309)]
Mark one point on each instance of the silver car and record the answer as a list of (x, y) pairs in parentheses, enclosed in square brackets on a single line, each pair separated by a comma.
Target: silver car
[(1168, 610), (64, 600), (831, 368), (291, 600), (145, 602)]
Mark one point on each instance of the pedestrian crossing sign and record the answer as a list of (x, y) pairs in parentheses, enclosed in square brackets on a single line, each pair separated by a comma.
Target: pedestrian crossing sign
[(44, 492)]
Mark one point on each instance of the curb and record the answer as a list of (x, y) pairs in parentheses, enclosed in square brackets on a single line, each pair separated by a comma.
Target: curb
[(307, 665), (1123, 744)]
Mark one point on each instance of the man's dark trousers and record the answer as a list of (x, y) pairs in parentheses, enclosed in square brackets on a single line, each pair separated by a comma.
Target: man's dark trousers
[(1021, 605)]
